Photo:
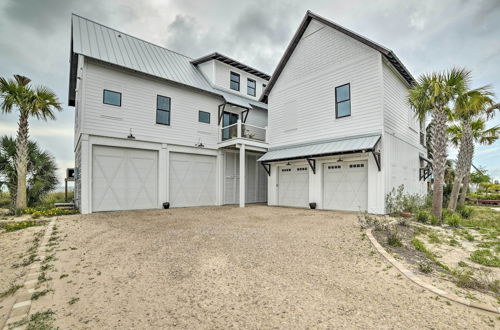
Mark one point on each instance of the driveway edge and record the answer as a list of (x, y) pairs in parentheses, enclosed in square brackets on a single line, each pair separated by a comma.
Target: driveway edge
[(22, 304), (415, 279)]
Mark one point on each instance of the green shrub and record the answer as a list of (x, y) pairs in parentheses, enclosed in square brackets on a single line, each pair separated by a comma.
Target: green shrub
[(423, 216), (434, 220), (452, 219), (465, 211), (397, 201), (462, 264), (465, 280), (485, 257), (43, 211), (20, 225), (425, 267), (393, 238)]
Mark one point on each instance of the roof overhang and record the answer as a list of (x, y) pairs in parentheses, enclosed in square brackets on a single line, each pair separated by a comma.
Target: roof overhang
[(350, 145), (232, 62), (387, 53)]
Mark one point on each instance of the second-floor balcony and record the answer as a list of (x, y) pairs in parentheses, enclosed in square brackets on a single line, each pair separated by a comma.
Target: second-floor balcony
[(241, 132)]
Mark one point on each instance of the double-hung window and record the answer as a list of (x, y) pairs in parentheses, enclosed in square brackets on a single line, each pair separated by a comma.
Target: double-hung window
[(251, 87), (162, 110), (235, 81), (343, 101)]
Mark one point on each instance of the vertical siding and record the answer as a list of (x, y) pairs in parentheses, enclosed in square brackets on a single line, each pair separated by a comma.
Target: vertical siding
[(401, 138), (324, 59), (255, 183), (78, 166), (138, 110)]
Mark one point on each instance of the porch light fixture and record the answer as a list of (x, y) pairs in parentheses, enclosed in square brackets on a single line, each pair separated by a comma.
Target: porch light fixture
[(340, 160), (199, 144), (288, 164), (130, 136)]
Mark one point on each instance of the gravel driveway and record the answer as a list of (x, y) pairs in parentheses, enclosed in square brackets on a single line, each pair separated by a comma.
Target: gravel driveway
[(223, 267)]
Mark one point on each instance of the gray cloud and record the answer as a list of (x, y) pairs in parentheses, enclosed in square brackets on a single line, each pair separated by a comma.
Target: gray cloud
[(426, 35)]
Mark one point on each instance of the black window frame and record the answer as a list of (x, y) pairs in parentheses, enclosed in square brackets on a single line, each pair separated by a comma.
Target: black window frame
[(168, 111), (233, 81), (199, 118), (104, 97), (347, 100), (254, 87)]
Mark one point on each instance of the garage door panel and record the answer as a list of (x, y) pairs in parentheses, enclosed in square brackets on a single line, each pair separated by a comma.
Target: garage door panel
[(124, 179), (345, 186), (293, 186), (192, 180)]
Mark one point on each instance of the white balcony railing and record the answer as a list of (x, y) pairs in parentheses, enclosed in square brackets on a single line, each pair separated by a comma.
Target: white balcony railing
[(245, 131)]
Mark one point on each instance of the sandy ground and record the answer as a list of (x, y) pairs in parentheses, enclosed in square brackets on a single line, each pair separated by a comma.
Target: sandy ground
[(13, 248), (258, 267)]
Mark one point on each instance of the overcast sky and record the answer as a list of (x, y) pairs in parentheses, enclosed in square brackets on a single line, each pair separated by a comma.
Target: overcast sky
[(426, 36)]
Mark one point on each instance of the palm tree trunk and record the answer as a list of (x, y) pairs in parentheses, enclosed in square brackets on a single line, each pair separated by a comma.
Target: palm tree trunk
[(461, 167), (22, 159), (465, 186), (439, 148)]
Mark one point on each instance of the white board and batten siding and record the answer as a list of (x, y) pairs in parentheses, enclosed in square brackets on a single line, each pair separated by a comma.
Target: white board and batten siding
[(401, 136), (255, 183), (305, 91)]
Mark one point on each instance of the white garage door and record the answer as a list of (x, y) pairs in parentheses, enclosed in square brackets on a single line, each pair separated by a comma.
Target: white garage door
[(192, 180), (124, 179), (345, 186), (293, 186)]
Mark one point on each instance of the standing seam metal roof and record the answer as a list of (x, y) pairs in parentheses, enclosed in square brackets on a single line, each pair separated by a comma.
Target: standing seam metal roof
[(319, 149), (100, 42)]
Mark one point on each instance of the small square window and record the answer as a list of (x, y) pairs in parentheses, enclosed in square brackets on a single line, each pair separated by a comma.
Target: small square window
[(204, 117), (251, 87), (162, 110), (112, 98), (343, 101), (235, 81)]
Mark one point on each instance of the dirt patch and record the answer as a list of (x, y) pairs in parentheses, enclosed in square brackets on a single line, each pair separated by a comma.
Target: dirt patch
[(220, 267)]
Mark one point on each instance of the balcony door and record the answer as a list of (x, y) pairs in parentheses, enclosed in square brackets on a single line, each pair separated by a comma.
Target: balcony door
[(228, 119)]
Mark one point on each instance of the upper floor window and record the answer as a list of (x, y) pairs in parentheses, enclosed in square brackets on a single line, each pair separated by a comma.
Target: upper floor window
[(343, 101), (204, 117), (162, 110), (235, 81), (112, 98), (251, 87)]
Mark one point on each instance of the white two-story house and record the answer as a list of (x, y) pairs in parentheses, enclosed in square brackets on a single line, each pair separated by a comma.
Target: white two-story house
[(341, 133), (153, 126)]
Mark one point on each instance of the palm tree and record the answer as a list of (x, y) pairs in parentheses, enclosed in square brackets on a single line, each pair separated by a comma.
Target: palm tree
[(39, 102), (433, 93), (479, 134), (41, 170), (469, 106)]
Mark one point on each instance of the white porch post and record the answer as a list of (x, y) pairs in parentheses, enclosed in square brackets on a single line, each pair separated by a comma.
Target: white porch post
[(242, 175), (238, 128)]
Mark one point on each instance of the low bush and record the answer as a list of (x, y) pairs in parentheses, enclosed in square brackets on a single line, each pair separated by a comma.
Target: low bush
[(423, 216), (425, 267), (485, 196), (485, 257), (20, 225), (464, 279), (393, 238), (37, 212), (398, 201), (465, 211), (434, 220), (452, 219)]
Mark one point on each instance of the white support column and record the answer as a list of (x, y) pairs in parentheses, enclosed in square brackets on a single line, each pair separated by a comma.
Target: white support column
[(238, 128), (242, 175)]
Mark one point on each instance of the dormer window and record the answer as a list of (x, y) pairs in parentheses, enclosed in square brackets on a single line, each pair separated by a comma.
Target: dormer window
[(251, 87), (235, 81)]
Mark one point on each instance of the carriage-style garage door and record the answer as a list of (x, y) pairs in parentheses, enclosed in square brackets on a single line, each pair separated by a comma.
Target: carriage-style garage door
[(192, 180), (293, 186), (345, 186), (124, 179)]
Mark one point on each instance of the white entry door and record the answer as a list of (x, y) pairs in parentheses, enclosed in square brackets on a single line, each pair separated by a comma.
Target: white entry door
[(345, 186), (293, 186), (124, 179), (192, 180)]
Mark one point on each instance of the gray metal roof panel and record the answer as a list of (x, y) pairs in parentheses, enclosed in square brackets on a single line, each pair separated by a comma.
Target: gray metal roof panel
[(97, 41), (322, 148)]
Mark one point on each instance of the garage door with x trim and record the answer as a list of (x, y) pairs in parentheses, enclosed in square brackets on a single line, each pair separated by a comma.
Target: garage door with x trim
[(124, 179), (345, 186)]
